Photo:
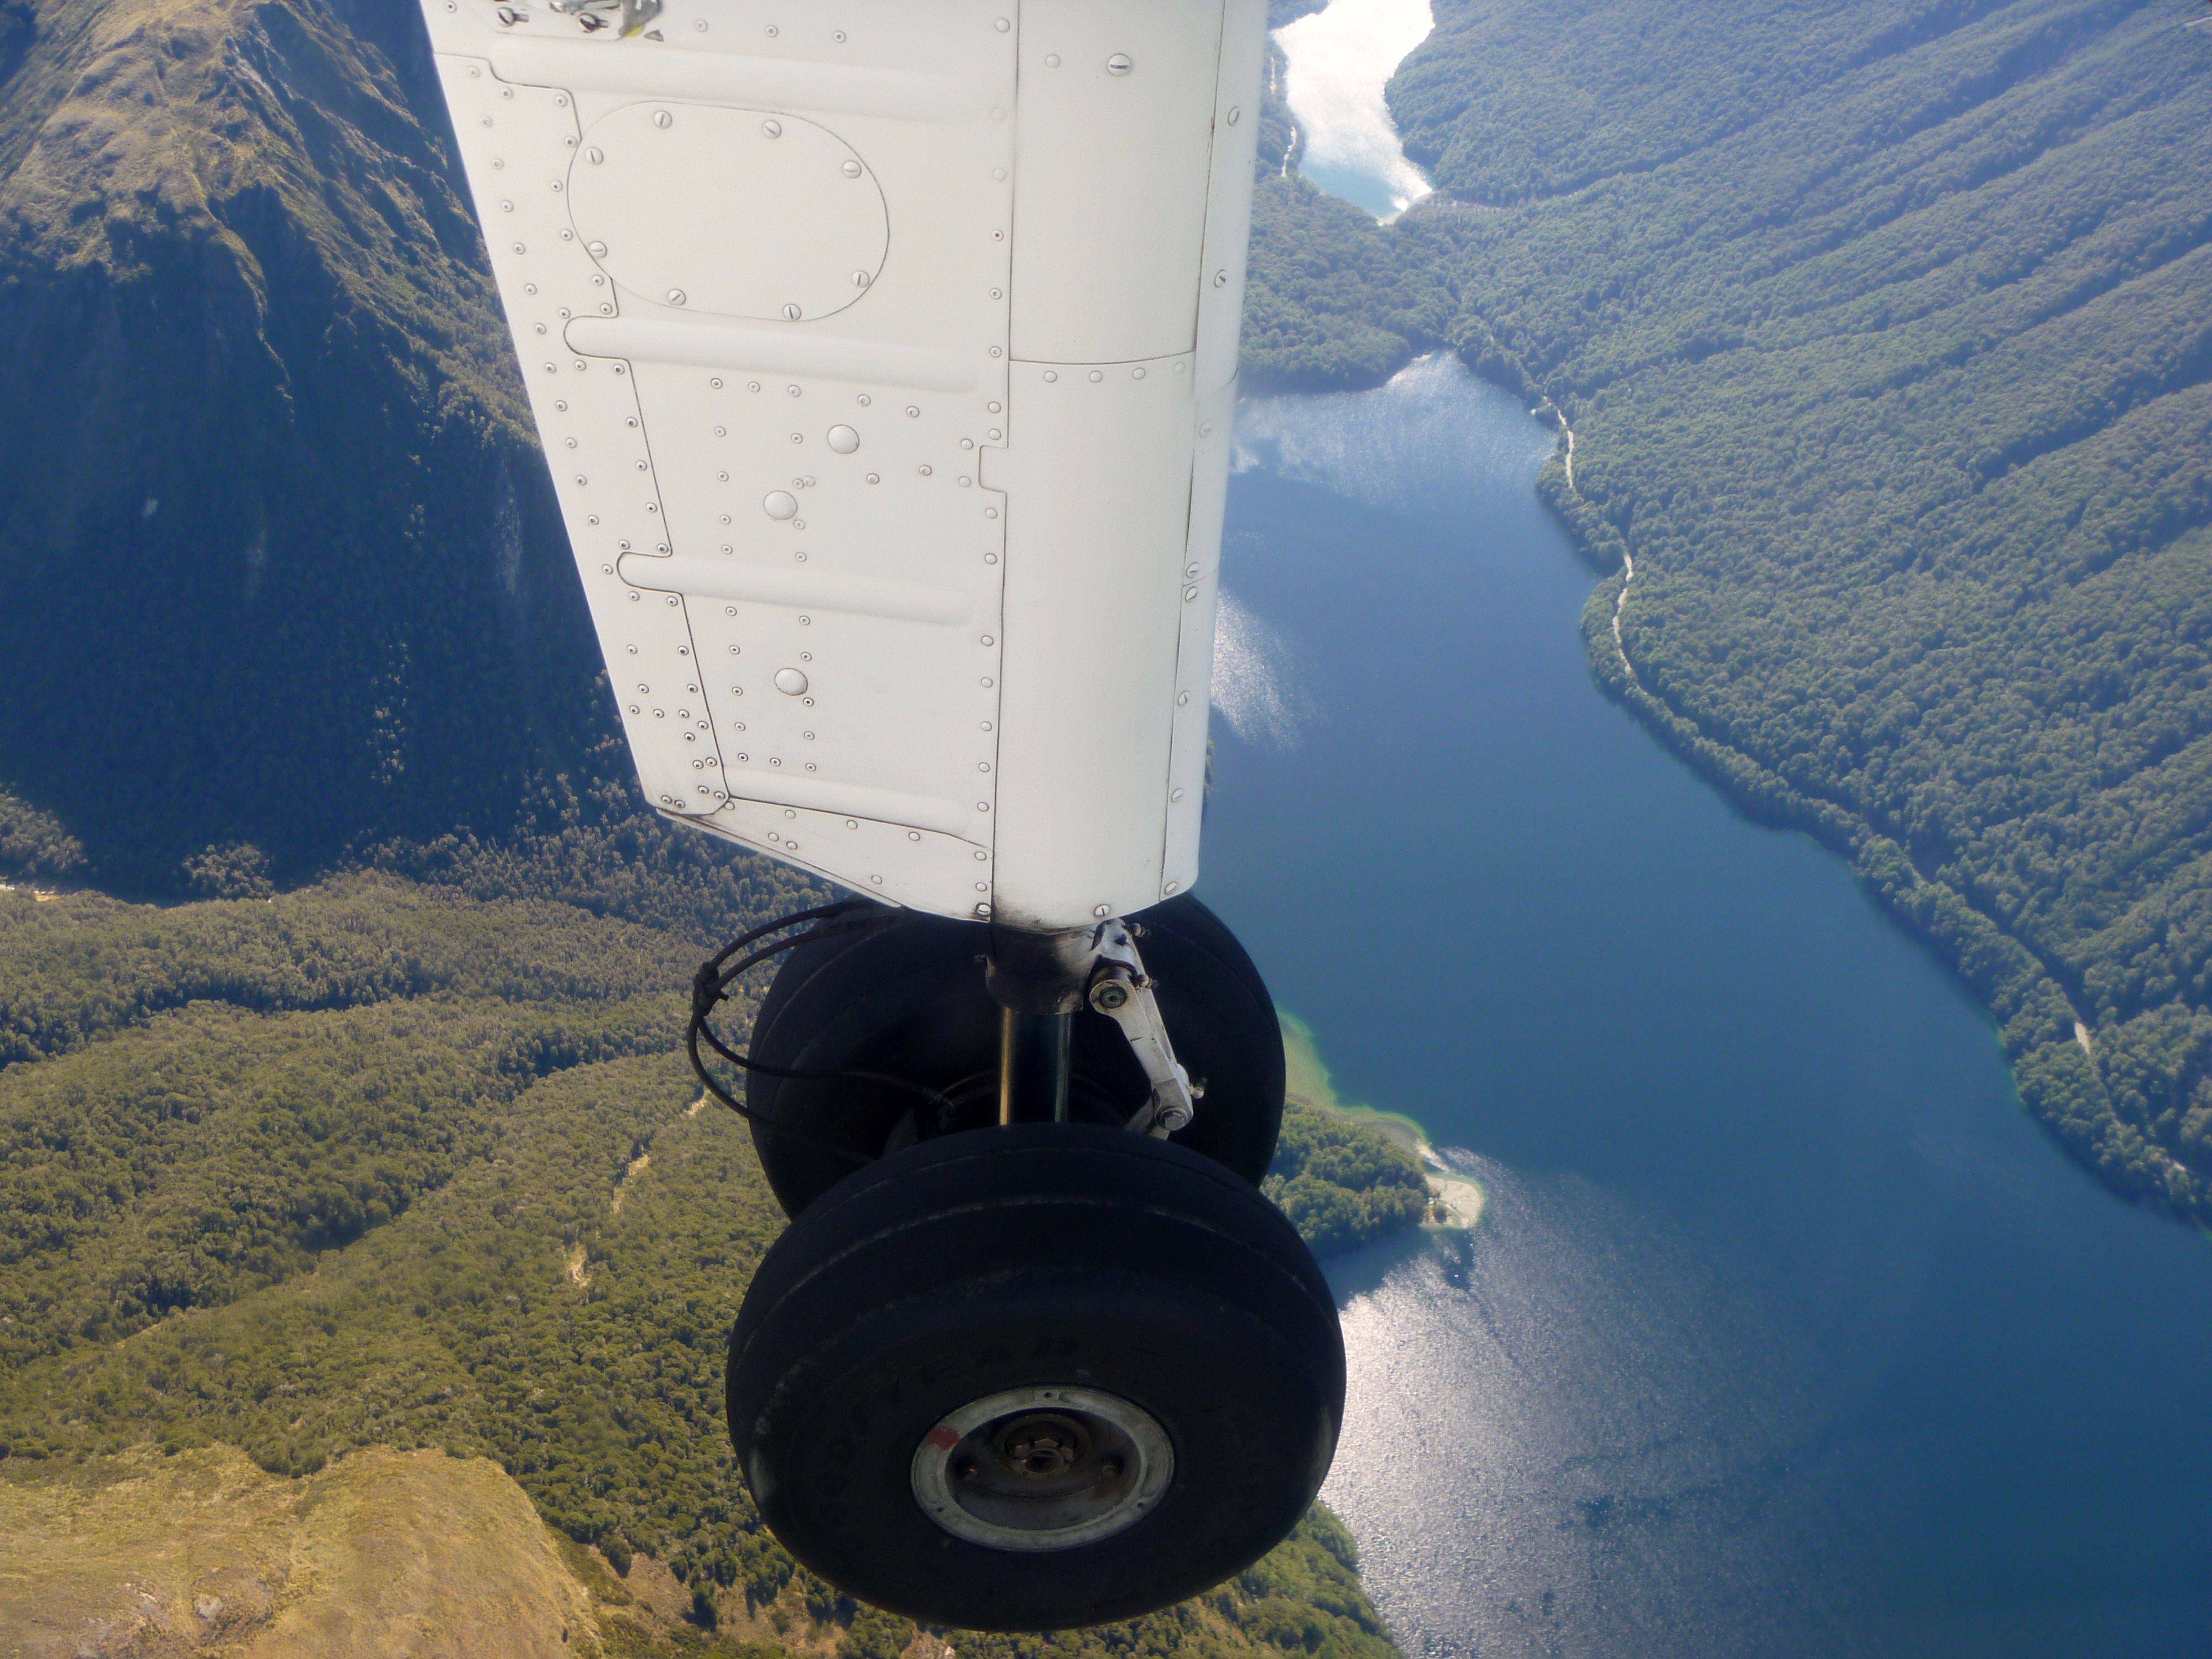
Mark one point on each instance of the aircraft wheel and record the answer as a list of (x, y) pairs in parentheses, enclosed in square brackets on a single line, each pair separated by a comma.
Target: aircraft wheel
[(1046, 1377), (906, 1003)]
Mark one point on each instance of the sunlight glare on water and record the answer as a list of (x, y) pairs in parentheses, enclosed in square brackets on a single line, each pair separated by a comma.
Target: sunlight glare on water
[(1340, 59)]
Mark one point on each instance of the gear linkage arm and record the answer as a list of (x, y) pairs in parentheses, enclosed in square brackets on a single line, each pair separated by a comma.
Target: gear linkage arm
[(1123, 991)]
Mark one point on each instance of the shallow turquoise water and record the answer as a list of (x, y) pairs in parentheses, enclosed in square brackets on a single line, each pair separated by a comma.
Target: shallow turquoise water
[(1786, 1332)]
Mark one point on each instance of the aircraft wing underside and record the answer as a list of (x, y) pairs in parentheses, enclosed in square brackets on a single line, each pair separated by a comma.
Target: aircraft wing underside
[(883, 354)]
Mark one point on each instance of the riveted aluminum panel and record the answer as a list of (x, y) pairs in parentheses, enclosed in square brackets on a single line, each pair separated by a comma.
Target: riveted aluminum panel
[(766, 268), (1117, 141)]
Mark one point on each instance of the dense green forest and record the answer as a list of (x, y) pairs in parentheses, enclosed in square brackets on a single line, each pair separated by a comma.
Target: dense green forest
[(1885, 334), (378, 1163)]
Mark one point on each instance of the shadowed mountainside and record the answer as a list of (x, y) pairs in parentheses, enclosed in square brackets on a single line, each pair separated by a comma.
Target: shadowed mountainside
[(280, 561)]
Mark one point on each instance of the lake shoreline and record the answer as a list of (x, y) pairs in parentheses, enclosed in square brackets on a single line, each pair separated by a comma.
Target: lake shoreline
[(1460, 1198)]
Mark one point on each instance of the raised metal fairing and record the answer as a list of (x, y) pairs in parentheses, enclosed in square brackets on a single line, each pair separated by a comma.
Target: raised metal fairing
[(884, 352)]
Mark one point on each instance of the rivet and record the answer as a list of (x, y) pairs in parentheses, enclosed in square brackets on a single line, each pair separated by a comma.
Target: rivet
[(1119, 64), (987, 640), (1051, 60), (1183, 701), (844, 440), (999, 173), (1174, 794), (1136, 373), (913, 834), (1050, 375), (1002, 25), (1171, 887), (877, 881), (982, 858), (1096, 375), (926, 471), (875, 477), (780, 504)]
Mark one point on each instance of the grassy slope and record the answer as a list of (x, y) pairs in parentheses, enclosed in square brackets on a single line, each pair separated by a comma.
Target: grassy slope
[(378, 1165), (1882, 330)]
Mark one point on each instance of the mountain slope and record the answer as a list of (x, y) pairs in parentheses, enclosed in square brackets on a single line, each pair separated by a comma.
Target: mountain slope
[(374, 1165), (280, 561), (1882, 330)]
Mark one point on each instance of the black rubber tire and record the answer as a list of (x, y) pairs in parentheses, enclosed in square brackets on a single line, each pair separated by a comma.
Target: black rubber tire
[(907, 1000), (1044, 1255)]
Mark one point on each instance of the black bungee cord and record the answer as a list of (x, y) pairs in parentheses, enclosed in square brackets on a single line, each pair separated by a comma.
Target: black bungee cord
[(710, 988)]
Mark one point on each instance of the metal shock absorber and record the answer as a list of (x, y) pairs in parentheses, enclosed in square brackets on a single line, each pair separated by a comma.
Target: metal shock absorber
[(1039, 980)]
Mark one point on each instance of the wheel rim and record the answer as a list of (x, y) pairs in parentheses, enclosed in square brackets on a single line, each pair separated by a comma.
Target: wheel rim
[(1042, 1468)]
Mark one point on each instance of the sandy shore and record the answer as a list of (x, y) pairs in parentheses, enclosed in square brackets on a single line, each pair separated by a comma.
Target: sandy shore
[(1459, 1197)]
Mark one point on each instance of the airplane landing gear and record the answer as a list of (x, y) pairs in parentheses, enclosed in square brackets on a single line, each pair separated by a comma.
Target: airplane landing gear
[(881, 1029), (1035, 1352), (1042, 1377)]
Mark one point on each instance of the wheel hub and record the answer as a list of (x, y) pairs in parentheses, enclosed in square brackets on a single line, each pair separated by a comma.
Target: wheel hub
[(1042, 1468)]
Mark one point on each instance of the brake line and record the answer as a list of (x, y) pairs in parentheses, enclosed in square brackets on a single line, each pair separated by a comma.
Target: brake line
[(710, 988)]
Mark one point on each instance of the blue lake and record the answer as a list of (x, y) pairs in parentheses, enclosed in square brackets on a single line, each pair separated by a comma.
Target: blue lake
[(1785, 1331)]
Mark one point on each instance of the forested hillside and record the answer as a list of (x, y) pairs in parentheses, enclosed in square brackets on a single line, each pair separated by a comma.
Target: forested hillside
[(381, 1164), (281, 563), (1884, 328)]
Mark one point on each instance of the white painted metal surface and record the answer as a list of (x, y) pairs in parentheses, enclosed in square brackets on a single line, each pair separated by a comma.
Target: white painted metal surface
[(885, 354)]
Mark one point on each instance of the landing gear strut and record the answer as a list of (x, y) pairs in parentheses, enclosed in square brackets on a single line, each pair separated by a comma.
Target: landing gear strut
[(1035, 1353)]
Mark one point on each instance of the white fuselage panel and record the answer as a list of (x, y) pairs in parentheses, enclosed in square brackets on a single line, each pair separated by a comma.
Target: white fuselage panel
[(883, 354)]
